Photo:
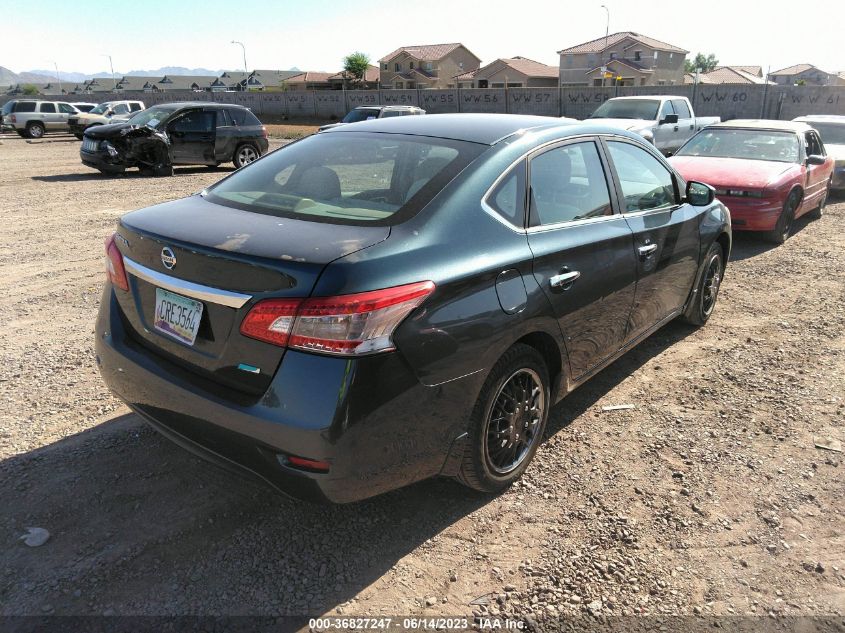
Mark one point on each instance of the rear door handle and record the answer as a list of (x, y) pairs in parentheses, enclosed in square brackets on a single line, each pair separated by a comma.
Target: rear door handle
[(647, 250), (564, 280)]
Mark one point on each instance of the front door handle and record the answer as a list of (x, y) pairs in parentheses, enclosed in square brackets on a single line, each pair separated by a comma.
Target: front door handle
[(564, 280), (647, 250)]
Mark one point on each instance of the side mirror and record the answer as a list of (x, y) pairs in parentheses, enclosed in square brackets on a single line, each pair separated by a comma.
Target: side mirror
[(670, 119), (109, 112), (699, 194), (815, 159)]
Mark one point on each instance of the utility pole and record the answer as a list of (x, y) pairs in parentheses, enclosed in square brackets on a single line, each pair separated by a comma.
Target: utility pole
[(606, 34), (61, 91), (111, 67)]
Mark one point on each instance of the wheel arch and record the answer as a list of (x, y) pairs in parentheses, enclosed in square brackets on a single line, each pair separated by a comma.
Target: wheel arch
[(552, 354)]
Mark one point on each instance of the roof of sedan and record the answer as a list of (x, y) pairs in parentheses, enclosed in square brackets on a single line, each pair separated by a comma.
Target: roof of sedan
[(486, 129), (821, 118), (764, 124)]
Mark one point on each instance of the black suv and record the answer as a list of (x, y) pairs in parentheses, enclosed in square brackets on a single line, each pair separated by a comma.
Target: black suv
[(176, 134)]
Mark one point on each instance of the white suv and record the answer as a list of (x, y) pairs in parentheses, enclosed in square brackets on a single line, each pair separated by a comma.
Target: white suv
[(33, 119), (102, 115)]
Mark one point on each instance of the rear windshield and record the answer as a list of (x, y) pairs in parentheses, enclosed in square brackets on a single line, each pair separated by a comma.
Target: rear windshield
[(361, 114), (347, 178), (738, 143), (627, 109), (831, 133)]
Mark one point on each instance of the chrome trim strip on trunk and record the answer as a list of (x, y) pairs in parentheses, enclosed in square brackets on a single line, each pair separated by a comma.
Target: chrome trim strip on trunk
[(187, 288)]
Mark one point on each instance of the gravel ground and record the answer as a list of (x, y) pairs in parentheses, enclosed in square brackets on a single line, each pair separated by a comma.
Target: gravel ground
[(708, 497)]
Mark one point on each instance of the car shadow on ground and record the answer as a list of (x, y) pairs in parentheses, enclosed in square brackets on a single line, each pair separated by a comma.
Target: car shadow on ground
[(140, 525), (134, 173), (748, 244)]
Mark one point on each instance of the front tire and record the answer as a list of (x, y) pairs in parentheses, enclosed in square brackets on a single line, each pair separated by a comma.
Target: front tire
[(703, 303), (245, 154), (783, 228), (507, 422), (35, 130)]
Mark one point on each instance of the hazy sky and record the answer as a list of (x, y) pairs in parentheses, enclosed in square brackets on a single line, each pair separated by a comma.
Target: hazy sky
[(316, 34)]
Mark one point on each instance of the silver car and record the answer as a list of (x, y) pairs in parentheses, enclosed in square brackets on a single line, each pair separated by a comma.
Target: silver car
[(832, 130), (34, 118)]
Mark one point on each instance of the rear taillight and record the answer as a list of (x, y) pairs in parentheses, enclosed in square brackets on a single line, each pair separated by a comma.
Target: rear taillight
[(347, 325), (14, 119), (114, 265), (263, 131)]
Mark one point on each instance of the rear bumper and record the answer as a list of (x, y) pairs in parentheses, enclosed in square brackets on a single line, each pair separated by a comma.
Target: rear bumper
[(376, 425), (753, 214)]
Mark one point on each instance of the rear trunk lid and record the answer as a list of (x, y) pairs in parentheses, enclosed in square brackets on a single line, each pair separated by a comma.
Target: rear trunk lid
[(225, 259)]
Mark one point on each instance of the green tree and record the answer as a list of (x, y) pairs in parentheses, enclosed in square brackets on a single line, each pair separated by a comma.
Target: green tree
[(29, 89), (355, 66), (702, 63)]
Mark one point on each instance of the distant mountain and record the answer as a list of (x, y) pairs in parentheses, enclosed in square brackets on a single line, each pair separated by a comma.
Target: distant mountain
[(8, 78)]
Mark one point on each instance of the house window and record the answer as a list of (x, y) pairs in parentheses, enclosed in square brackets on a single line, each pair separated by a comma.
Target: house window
[(655, 55), (569, 61), (428, 66), (597, 82), (397, 67), (384, 66), (612, 54), (670, 56), (398, 85), (661, 82), (638, 56), (411, 65)]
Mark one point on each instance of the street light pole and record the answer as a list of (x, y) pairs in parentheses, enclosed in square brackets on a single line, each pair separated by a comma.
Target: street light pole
[(246, 70), (61, 91), (606, 34), (111, 67)]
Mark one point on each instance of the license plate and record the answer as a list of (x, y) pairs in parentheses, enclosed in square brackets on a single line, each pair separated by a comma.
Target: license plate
[(177, 316)]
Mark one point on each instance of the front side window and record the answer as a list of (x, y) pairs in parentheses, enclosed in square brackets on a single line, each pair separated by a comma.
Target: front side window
[(646, 183), (814, 145), (222, 119), (831, 133), (194, 121), (568, 183), (66, 108), (681, 109), (121, 108), (48, 108), (666, 110), (348, 178)]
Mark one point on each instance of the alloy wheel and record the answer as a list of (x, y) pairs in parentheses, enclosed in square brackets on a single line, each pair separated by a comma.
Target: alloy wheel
[(246, 155), (710, 290), (514, 421)]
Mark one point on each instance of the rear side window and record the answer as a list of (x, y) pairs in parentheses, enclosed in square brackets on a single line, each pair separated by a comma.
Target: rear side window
[(567, 184), (646, 183), (242, 116), (349, 178), (508, 198), (48, 108), (681, 109), (25, 106)]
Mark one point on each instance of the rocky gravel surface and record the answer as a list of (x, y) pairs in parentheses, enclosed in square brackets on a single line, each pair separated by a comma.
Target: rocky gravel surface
[(708, 497)]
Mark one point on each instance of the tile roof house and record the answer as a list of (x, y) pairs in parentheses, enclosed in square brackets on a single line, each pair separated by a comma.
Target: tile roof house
[(633, 58), (805, 74), (184, 82), (268, 79), (426, 66), (309, 80), (370, 80), (511, 72), (729, 75)]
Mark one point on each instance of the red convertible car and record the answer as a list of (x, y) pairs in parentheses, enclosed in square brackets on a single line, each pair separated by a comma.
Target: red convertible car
[(768, 173)]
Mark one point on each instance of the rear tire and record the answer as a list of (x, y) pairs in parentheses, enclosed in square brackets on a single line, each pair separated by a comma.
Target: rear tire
[(783, 228), (245, 154), (507, 422), (35, 130), (818, 212), (703, 302)]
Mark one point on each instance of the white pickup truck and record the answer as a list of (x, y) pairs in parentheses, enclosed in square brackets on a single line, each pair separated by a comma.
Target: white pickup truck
[(666, 121)]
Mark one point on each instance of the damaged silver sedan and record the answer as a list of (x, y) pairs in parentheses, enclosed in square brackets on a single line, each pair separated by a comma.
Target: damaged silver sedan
[(176, 134)]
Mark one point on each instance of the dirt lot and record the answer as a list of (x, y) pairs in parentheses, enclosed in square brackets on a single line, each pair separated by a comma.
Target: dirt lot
[(708, 497)]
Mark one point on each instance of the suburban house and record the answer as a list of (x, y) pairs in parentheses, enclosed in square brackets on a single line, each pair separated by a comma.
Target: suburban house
[(229, 80), (632, 58), (510, 72), (427, 66), (268, 79), (752, 75), (48, 89), (342, 80), (134, 83), (98, 84), (183, 82), (805, 74), (309, 80)]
